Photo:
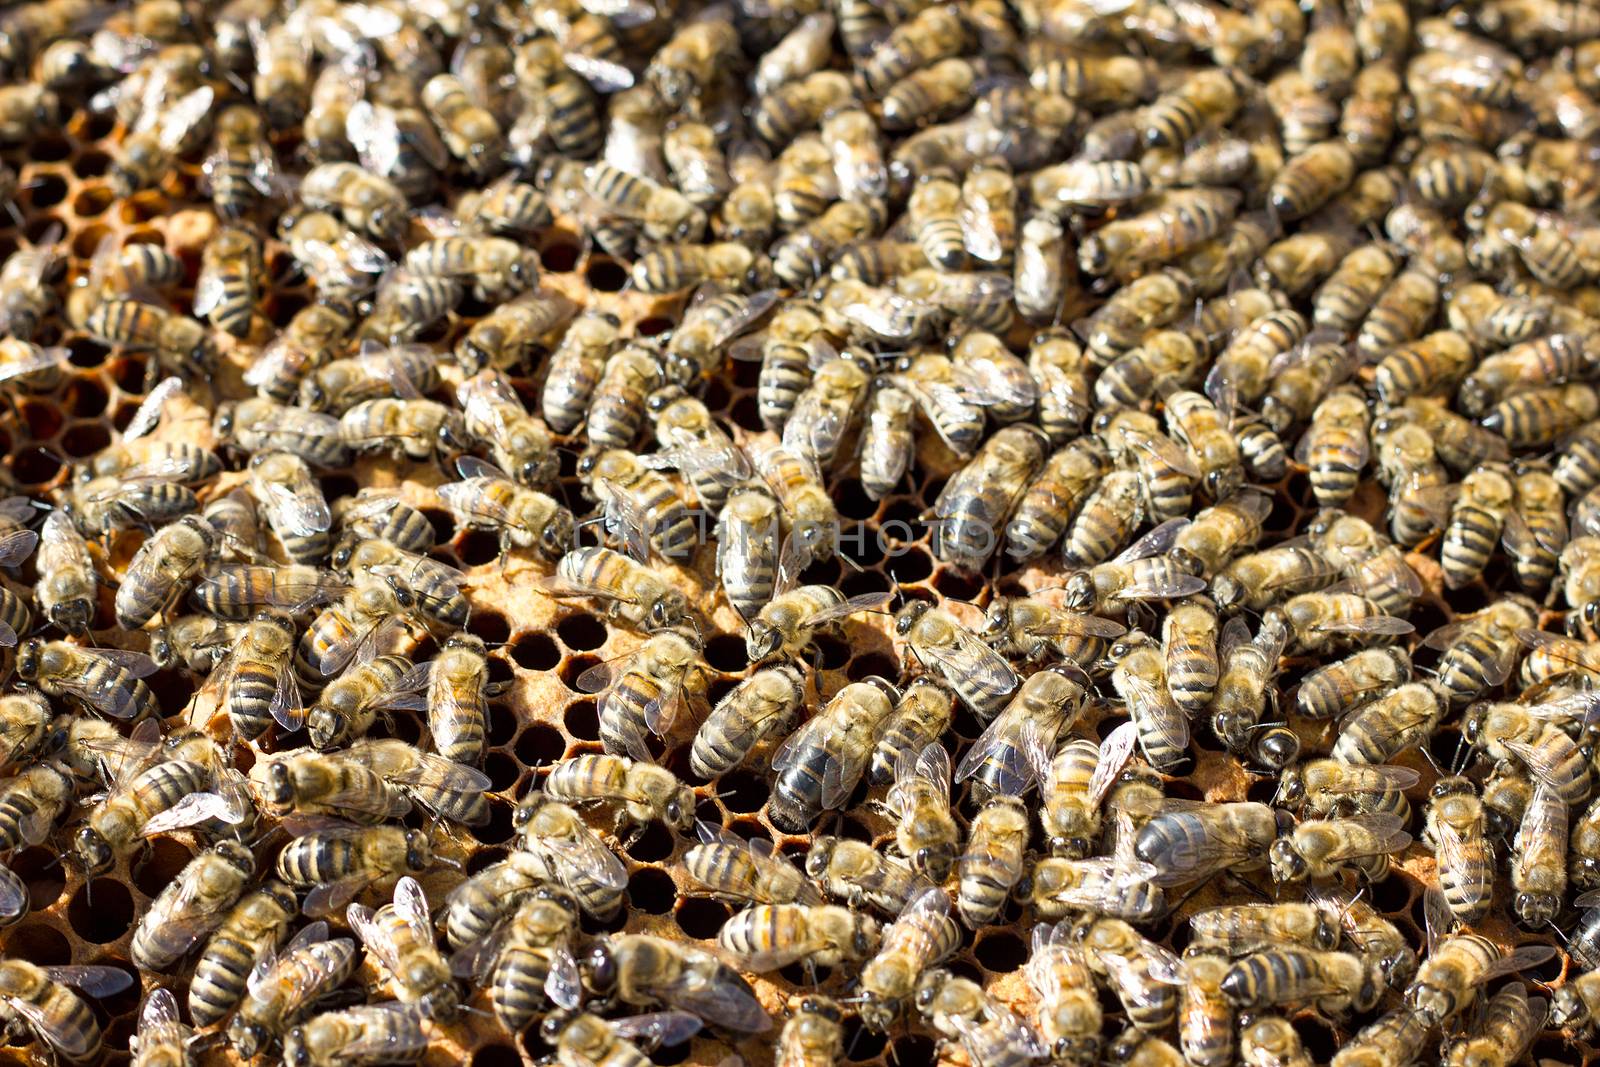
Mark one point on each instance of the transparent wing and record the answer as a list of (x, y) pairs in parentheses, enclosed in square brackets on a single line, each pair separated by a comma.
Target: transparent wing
[(194, 809), (1155, 542), (300, 512), (33, 358), (16, 546), (374, 935), (974, 663), (149, 411), (1115, 751)]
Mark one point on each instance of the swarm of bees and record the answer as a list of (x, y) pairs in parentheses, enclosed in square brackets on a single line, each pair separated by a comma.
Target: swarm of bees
[(1240, 352)]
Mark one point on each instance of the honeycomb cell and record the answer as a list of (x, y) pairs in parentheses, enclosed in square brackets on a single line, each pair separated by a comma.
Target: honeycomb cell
[(85, 439), (161, 865), (42, 945), (41, 871), (539, 744), (582, 720), (581, 633), (605, 275), (1000, 951), (652, 846), (101, 911), (84, 398), (651, 891)]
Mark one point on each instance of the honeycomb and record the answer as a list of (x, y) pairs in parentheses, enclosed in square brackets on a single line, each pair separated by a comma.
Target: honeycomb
[(542, 646)]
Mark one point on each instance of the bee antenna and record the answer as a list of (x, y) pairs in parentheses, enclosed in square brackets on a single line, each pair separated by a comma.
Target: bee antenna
[(1462, 751)]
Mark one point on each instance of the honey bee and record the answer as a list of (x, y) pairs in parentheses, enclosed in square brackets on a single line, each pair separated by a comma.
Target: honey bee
[(921, 937), (1319, 848), (1318, 620), (642, 970), (177, 791), (368, 1033), (819, 764), (400, 935), (260, 425), (753, 711), (1310, 178), (888, 439), (31, 802), (66, 589), (339, 261), (237, 591), (975, 503), (1189, 645), (1186, 842), (1140, 572), (1335, 981), (1206, 1029), (156, 139), (287, 982), (1455, 830), (765, 937), (104, 681), (192, 905), (576, 367), (366, 202), (585, 1039), (1396, 1037), (1458, 964), (1241, 929), (1139, 677), (175, 340), (162, 1036), (642, 791), (1069, 1015), (1381, 728), (1167, 475), (746, 871), (37, 1000), (471, 133), (1243, 367), (1534, 736), (1177, 221), (1335, 446), (1325, 787), (526, 962)]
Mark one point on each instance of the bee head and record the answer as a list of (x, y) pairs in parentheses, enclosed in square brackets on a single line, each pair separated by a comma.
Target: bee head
[(28, 659), (1287, 864), (600, 969), (92, 851), (419, 852), (278, 792), (1079, 592), (1276, 748)]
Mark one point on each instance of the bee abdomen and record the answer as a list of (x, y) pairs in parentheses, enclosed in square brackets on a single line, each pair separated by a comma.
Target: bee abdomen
[(1468, 542), (219, 980)]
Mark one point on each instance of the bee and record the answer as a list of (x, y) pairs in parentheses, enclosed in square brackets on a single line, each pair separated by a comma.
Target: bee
[(919, 799), (1511, 1022), (754, 710), (37, 1000), (1335, 981), (921, 937), (287, 982), (1539, 863), (1206, 1030), (348, 706), (370, 1033), (226, 289), (31, 367), (1310, 178), (1120, 886), (888, 439), (1247, 668), (639, 503), (645, 970), (1540, 242), (471, 133), (1319, 620), (1070, 1015), (765, 937), (155, 140), (1167, 475), (819, 764), (309, 782), (576, 367), (1535, 531), (1240, 929), (398, 143), (497, 267), (1043, 268), (178, 790), (162, 1036), (366, 201), (337, 862), (1335, 446), (1243, 367), (994, 862), (175, 340), (1053, 498), (920, 718), (192, 905), (260, 425), (105, 681), (634, 594), (828, 408), (31, 802), (1455, 830), (237, 591), (814, 1034), (743, 871), (1146, 977), (103, 506), (526, 962), (342, 263), (1189, 842), (1396, 1037), (617, 408), (642, 791), (646, 693), (1540, 417), (1320, 848), (292, 502), (400, 935), (699, 168), (976, 502), (25, 720), (1201, 101), (1177, 221), (979, 677), (859, 874), (1534, 736), (417, 429), (67, 587), (1458, 964), (1140, 572), (1480, 650), (1325, 787), (1381, 728)]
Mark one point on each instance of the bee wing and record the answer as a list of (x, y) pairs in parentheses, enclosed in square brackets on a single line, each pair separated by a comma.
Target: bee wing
[(429, 770), (477, 959), (267, 962), (1155, 542), (37, 359), (72, 1041), (176, 932), (148, 413), (659, 1027), (863, 602), (1545, 760), (1524, 958), (1545, 820), (1133, 982), (586, 854), (914, 928), (106, 693), (604, 75), (356, 643), (1452, 849), (389, 1033), (300, 513), (723, 461), (160, 1009), (1152, 705), (1017, 1036), (1115, 751), (999, 739), (16, 546), (184, 116), (194, 809), (754, 310), (1377, 625), (980, 233), (1378, 833), (411, 904), (374, 935), (975, 663), (932, 763), (1374, 778), (564, 984), (17, 509)]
